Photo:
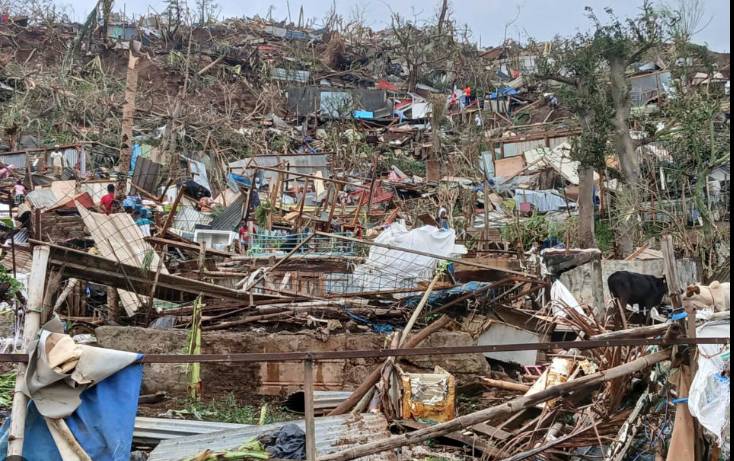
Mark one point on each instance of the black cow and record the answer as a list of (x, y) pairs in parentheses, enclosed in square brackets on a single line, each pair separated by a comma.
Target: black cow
[(647, 291)]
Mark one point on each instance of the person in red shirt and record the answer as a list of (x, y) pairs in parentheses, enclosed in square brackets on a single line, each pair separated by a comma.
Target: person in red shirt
[(108, 199), (467, 95)]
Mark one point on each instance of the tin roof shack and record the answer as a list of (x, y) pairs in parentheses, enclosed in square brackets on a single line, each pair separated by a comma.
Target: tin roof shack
[(337, 103), (122, 31)]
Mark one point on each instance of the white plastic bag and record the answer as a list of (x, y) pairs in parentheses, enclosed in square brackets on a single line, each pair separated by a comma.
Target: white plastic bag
[(708, 398)]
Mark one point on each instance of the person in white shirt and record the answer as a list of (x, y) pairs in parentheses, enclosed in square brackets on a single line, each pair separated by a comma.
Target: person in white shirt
[(57, 161)]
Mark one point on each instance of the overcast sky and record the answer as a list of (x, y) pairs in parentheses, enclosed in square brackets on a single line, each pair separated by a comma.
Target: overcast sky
[(540, 19)]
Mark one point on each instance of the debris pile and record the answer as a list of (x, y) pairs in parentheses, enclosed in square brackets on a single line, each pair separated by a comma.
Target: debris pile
[(394, 240)]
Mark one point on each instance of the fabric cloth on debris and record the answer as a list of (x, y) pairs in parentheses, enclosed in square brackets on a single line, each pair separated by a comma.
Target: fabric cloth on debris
[(393, 269), (103, 423), (709, 396), (60, 370), (288, 443), (543, 200)]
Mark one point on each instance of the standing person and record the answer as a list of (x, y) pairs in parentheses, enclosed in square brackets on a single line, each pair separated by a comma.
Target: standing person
[(108, 200), (19, 192), (467, 96), (57, 161)]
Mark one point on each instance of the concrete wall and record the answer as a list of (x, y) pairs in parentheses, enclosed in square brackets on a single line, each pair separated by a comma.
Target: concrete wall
[(276, 378), (578, 280)]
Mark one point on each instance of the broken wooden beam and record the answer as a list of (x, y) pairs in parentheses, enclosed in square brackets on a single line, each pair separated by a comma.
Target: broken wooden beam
[(506, 385), (85, 266)]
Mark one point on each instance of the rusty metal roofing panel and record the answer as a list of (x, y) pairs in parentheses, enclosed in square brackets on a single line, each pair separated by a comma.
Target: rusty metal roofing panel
[(333, 433)]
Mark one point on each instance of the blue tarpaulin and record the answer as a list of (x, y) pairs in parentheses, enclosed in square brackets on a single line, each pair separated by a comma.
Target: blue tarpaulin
[(502, 92), (238, 180), (440, 297), (363, 114), (136, 152), (103, 424)]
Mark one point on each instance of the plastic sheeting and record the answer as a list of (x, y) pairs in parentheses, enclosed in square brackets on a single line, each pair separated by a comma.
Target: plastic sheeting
[(390, 269), (560, 298), (103, 424), (709, 396), (543, 200)]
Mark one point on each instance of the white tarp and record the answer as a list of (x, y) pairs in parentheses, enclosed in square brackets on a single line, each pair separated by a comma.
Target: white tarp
[(709, 395), (561, 298), (392, 269)]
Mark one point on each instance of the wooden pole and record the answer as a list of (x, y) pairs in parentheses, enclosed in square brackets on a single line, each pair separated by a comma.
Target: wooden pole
[(689, 324), (417, 311), (36, 284), (309, 410), (512, 406), (128, 113), (486, 211)]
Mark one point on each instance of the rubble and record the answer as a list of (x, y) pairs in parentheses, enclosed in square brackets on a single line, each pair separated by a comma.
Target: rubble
[(382, 231)]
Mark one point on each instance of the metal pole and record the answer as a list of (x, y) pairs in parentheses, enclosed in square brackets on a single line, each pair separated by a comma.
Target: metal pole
[(309, 410)]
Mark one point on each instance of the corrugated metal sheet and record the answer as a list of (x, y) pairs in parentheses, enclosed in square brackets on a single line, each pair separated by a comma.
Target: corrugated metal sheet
[(41, 198), (153, 430), (304, 164), (118, 238), (17, 160), (333, 433), (323, 401), (231, 216), (188, 217)]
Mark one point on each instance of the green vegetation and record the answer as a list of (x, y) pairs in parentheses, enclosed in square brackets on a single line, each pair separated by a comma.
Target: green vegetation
[(7, 387), (231, 410), (7, 280), (527, 231)]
